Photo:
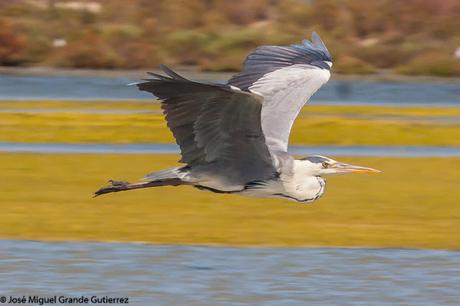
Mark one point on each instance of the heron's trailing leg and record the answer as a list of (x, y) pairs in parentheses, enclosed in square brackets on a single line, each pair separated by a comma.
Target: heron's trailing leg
[(116, 186)]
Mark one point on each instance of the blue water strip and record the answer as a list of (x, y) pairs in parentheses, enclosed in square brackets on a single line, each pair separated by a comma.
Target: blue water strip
[(384, 151)]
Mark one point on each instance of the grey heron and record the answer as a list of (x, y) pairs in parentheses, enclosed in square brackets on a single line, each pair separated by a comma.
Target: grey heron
[(234, 137)]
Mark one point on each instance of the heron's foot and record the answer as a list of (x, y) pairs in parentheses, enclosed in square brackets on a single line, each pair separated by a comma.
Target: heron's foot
[(114, 186)]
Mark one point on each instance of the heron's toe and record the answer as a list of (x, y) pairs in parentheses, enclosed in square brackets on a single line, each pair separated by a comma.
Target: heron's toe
[(118, 183)]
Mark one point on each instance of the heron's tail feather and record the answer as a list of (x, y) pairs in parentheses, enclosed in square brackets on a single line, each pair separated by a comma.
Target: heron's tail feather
[(116, 186)]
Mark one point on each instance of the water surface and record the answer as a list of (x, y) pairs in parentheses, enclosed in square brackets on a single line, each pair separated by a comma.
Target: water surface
[(190, 275), (385, 151), (36, 87)]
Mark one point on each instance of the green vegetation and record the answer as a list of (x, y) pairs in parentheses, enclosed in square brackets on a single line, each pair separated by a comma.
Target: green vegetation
[(432, 64), (316, 125), (408, 37), (413, 203), (352, 65)]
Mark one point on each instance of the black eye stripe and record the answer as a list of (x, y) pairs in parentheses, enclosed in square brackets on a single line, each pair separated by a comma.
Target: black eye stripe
[(315, 159)]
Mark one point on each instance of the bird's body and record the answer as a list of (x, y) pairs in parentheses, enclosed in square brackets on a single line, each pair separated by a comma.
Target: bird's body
[(234, 137)]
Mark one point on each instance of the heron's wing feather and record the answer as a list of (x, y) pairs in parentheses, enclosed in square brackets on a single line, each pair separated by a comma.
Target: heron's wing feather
[(286, 91), (286, 77), (214, 125)]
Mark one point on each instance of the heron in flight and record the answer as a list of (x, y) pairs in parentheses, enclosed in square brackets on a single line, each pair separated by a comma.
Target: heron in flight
[(234, 137)]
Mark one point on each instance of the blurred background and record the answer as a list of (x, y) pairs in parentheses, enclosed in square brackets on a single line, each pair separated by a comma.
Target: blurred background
[(415, 37), (69, 122)]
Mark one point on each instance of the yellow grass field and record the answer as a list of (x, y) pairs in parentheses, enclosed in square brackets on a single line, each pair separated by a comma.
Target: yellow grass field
[(413, 203), (317, 125), (153, 105)]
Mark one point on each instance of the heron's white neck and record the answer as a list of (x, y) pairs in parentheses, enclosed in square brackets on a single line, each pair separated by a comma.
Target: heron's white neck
[(302, 184)]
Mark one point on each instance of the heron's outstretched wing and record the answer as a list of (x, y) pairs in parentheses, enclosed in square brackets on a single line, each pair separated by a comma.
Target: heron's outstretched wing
[(286, 77), (214, 125)]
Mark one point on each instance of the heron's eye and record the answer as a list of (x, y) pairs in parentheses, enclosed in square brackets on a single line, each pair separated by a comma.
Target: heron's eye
[(325, 165)]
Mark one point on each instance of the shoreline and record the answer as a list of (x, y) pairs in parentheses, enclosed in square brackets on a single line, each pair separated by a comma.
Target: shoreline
[(227, 246), (194, 73), (381, 151)]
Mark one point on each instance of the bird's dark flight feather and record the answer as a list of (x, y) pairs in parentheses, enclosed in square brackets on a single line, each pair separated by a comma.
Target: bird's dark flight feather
[(214, 125)]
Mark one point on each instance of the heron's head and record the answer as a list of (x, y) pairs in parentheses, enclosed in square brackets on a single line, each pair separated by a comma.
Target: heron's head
[(320, 165)]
